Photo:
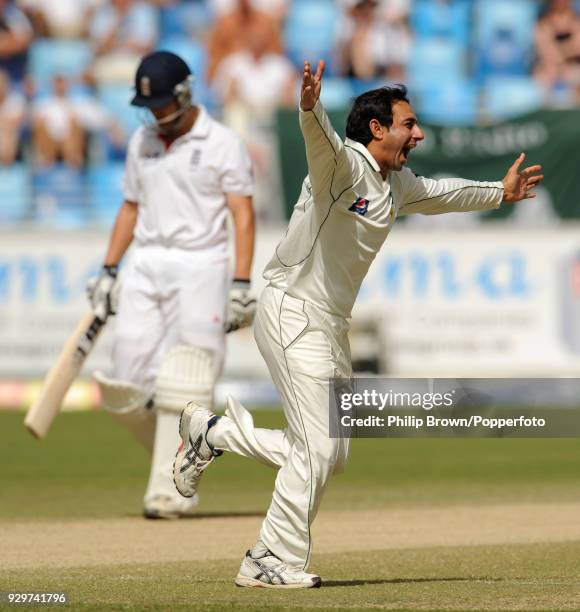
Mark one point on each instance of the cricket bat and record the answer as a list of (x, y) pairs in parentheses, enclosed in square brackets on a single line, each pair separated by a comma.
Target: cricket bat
[(61, 376)]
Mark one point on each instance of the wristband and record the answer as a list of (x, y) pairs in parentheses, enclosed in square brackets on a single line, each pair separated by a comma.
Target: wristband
[(241, 283), (111, 270)]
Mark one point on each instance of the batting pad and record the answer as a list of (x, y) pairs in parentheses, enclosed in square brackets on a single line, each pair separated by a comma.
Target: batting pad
[(186, 374), (128, 404)]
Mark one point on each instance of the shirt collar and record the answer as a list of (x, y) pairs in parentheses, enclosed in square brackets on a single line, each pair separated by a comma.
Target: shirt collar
[(202, 124), (200, 128), (358, 146)]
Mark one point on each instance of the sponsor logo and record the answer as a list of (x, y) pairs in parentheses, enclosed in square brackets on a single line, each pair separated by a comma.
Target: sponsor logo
[(360, 206)]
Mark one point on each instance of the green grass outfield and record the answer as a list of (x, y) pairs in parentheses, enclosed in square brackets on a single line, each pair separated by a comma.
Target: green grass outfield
[(88, 469)]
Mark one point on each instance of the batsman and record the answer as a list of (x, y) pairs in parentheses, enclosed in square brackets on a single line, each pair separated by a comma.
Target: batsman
[(184, 172), (354, 191)]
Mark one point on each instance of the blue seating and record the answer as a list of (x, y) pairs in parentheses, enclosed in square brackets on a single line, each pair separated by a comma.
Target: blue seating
[(442, 20), (449, 102), (60, 197), (190, 50), (337, 93), (310, 32), (359, 86), (504, 37), (117, 100), (105, 186), (187, 18), (15, 193), (48, 57), (505, 97), (433, 58)]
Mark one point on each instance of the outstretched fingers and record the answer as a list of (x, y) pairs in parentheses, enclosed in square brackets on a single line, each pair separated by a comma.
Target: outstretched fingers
[(531, 183), (535, 180), (531, 170), (519, 161), (307, 75), (320, 70), (311, 85)]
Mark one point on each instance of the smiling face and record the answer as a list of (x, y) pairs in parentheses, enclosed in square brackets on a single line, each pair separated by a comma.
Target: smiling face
[(391, 145)]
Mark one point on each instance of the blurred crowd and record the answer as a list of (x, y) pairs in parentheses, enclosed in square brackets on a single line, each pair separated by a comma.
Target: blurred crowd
[(67, 67)]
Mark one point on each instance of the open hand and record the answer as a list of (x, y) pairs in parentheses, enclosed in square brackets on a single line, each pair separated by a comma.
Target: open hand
[(311, 85), (518, 184)]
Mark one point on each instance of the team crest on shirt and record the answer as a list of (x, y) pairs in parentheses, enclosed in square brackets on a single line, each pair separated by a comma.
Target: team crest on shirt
[(146, 86), (360, 206)]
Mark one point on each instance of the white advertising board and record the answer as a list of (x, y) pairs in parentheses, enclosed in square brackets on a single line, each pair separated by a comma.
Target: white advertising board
[(487, 302), (483, 302), (42, 297)]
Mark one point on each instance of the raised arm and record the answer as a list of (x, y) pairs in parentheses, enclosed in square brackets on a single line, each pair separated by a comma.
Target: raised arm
[(431, 197), (325, 151), (434, 197)]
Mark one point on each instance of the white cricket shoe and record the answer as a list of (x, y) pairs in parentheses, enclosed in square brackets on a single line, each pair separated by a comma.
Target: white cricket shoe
[(269, 572), (194, 454), (166, 507)]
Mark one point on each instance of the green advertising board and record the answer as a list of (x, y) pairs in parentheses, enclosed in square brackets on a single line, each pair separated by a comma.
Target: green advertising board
[(548, 137)]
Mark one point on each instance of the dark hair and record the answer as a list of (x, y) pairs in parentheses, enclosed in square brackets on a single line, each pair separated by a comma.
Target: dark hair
[(374, 104)]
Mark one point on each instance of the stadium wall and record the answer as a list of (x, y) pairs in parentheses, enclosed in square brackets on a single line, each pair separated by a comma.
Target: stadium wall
[(488, 301)]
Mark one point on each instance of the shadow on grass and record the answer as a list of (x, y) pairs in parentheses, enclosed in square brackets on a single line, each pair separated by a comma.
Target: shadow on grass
[(210, 515), (351, 583)]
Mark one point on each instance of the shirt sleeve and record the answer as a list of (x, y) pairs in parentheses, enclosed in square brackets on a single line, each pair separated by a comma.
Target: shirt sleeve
[(131, 177), (329, 164), (433, 197), (237, 177)]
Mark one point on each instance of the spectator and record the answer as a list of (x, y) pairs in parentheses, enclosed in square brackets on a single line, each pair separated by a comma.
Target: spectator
[(395, 10), (56, 130), (276, 8), (230, 33), (12, 113), (122, 32), (370, 45), (95, 118), (252, 84), (15, 37), (558, 45), (60, 18), (238, 74)]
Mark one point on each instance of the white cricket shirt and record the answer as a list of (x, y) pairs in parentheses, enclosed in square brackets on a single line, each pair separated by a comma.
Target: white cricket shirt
[(181, 189), (345, 212)]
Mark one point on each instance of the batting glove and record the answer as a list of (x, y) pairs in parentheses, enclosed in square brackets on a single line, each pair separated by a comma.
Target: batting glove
[(241, 306), (103, 292)]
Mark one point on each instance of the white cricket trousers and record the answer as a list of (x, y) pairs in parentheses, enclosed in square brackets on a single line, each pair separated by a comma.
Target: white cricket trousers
[(303, 347), (169, 297)]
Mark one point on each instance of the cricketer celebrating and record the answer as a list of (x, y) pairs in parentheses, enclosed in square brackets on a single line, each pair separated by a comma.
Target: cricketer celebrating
[(349, 202), (183, 172)]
